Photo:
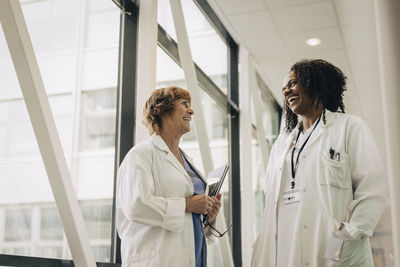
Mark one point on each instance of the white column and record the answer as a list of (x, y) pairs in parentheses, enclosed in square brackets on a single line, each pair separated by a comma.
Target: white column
[(388, 25), (44, 127), (186, 58), (146, 62), (246, 176)]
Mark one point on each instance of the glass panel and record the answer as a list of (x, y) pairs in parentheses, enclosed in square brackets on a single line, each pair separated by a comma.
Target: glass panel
[(98, 119), (208, 50), (18, 223), (97, 216), (50, 224), (76, 45), (258, 186), (270, 119)]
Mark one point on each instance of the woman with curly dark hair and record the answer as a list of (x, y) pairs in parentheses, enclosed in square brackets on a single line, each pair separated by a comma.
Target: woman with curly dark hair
[(161, 196), (325, 183)]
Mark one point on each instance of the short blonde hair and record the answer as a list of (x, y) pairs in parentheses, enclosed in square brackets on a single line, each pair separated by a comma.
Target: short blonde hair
[(161, 103)]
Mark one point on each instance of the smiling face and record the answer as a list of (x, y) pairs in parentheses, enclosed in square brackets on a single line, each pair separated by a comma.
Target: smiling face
[(295, 97), (180, 117)]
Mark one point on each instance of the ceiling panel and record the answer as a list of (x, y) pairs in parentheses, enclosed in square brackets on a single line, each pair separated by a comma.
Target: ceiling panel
[(276, 65), (331, 38), (304, 17), (355, 11), (252, 25), (359, 35), (239, 6), (363, 56), (337, 57), (287, 3), (270, 46)]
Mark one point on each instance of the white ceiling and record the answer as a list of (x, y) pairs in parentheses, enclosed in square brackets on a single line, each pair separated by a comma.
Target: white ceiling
[(274, 32)]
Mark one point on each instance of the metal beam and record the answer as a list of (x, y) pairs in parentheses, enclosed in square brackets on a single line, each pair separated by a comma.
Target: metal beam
[(126, 106), (30, 80), (234, 153)]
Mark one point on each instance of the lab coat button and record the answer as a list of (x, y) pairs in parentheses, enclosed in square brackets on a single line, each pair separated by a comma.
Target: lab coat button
[(306, 263), (305, 226)]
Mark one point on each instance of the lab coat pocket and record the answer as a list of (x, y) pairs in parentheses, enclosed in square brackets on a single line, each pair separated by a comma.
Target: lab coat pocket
[(145, 259), (335, 186), (335, 173)]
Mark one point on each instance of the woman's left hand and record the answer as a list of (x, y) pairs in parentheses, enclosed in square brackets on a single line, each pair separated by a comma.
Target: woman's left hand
[(212, 215)]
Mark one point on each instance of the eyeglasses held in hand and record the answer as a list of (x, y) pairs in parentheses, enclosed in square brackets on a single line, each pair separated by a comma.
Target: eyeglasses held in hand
[(214, 230)]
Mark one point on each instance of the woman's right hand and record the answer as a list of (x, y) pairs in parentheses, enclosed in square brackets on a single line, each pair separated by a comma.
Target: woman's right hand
[(200, 204)]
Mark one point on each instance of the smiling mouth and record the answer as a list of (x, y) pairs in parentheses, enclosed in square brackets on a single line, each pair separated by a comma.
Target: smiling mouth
[(292, 99), (186, 119)]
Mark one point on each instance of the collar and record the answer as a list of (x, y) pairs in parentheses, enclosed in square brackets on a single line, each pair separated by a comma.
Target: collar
[(329, 116), (159, 142)]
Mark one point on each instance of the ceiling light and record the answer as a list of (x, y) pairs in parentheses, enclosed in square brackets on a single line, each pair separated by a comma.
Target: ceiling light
[(313, 41)]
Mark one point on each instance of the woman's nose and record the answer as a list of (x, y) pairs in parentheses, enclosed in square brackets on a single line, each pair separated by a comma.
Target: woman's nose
[(190, 111), (286, 91)]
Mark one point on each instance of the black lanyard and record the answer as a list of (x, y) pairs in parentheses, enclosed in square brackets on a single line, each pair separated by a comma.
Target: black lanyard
[(294, 167)]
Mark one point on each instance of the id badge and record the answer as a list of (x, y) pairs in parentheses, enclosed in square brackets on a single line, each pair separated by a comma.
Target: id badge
[(291, 196), (333, 248)]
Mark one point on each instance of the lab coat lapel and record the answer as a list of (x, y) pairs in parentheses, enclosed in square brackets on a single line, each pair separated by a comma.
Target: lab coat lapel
[(320, 128), (169, 156)]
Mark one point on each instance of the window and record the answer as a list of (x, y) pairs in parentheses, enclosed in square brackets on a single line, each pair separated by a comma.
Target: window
[(76, 44), (209, 51), (18, 225), (98, 119), (50, 224)]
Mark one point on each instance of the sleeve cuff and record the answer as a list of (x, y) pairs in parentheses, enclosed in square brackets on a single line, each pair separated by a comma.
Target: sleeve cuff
[(346, 231)]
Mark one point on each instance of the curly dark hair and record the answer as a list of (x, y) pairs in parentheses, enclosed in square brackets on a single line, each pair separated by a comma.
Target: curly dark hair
[(322, 82), (161, 103)]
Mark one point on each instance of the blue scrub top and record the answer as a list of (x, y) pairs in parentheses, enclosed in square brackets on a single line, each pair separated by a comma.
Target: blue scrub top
[(199, 189)]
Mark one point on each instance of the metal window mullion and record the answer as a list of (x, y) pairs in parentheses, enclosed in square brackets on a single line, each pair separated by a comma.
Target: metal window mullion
[(212, 17), (234, 153), (126, 107)]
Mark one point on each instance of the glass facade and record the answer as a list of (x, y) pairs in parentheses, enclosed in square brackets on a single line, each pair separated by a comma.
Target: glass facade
[(76, 44)]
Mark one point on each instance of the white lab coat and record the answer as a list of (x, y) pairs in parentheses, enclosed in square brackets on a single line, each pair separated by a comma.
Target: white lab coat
[(151, 220), (352, 191)]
